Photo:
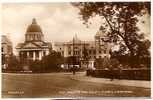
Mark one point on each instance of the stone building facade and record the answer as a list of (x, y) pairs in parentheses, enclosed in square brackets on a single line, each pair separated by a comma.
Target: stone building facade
[(34, 47), (102, 45), (75, 47), (6, 50), (85, 50)]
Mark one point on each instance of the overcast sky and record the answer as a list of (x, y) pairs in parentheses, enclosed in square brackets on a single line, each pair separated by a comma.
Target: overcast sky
[(58, 21)]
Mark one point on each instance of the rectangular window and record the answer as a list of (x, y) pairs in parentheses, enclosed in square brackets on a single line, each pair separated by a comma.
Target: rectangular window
[(105, 51), (89, 51), (69, 52), (62, 52), (94, 51), (37, 54), (31, 54), (44, 53), (2, 49)]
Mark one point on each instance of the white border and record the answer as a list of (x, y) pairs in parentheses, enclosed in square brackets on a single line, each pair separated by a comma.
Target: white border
[(46, 1), (0, 47), (43, 1), (151, 49)]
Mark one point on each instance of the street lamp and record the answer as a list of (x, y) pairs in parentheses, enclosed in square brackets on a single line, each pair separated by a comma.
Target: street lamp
[(73, 70)]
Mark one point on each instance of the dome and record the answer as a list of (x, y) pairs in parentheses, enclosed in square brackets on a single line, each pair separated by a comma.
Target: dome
[(34, 27), (34, 32)]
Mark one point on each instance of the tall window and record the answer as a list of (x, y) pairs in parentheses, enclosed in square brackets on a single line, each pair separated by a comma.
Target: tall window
[(37, 54), (37, 37), (62, 52), (44, 53), (69, 52), (89, 51), (30, 54), (2, 49), (105, 51), (94, 51)]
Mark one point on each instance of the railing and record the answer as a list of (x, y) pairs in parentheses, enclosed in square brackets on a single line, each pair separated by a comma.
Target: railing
[(131, 74)]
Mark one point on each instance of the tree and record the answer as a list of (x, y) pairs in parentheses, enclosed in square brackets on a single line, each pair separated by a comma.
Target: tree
[(102, 63), (120, 22), (49, 63), (143, 55), (13, 64), (114, 62), (72, 60), (53, 61)]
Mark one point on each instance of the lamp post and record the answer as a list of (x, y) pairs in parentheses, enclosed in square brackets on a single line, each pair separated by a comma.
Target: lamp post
[(85, 53), (73, 69)]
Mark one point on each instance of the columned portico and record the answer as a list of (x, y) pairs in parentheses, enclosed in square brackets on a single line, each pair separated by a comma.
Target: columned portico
[(33, 54), (34, 46)]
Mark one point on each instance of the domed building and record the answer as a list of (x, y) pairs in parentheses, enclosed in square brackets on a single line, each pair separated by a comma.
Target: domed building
[(34, 46)]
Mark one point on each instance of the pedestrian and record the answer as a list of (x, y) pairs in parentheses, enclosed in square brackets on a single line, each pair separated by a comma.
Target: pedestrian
[(120, 71), (111, 72), (73, 70)]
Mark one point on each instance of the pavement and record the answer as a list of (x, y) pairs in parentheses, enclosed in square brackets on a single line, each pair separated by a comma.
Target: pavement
[(31, 85), (81, 76)]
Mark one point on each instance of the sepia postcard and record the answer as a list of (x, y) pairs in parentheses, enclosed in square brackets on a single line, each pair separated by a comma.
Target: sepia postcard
[(76, 50)]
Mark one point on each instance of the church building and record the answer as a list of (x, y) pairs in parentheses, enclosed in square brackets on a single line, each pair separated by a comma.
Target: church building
[(34, 47)]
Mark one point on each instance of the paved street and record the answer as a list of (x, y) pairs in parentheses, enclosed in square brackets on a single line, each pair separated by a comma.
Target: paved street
[(62, 85)]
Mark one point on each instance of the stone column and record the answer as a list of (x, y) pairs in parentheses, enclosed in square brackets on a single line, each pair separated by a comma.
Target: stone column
[(34, 55), (40, 55), (27, 54), (47, 52), (65, 51)]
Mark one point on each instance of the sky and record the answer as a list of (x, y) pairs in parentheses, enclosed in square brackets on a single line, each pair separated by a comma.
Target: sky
[(58, 21)]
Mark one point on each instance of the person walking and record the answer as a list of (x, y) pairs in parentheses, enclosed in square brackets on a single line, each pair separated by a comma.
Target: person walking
[(111, 72), (73, 69), (120, 71)]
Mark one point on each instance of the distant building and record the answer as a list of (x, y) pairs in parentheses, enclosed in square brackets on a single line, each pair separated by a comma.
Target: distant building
[(85, 51), (34, 47), (6, 49), (75, 47), (102, 45)]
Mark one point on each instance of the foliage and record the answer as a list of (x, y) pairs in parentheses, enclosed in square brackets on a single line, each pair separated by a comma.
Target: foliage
[(13, 64), (143, 56), (120, 21), (102, 63), (114, 62), (36, 66), (72, 60), (53, 61), (50, 63), (85, 53)]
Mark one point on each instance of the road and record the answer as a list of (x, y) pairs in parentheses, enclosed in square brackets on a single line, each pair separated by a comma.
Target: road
[(61, 85)]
